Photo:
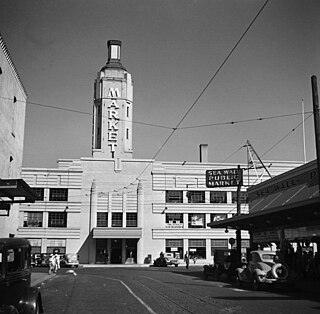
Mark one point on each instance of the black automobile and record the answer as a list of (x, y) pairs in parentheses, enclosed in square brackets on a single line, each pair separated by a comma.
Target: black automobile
[(226, 263), (16, 294)]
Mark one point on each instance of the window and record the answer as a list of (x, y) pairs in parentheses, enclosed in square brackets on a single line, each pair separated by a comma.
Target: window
[(197, 248), (15, 259), (218, 197), (102, 219), (175, 246), (196, 197), (217, 217), (116, 220), (32, 219), (174, 218), (243, 197), (131, 220), (39, 193), (174, 197), (128, 110), (196, 221), (219, 243), (127, 134), (58, 195), (57, 220)]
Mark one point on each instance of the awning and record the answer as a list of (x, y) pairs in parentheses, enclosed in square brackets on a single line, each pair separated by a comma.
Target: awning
[(15, 191), (287, 215), (117, 233)]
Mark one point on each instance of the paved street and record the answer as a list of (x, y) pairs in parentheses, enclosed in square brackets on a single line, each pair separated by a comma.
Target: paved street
[(162, 290)]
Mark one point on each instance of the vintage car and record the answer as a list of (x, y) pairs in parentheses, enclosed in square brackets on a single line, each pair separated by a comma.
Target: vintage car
[(16, 294), (69, 260), (264, 267), (225, 265), (171, 260), (160, 262)]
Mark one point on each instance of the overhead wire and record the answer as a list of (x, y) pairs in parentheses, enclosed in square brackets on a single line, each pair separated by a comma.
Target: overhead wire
[(207, 85), (162, 126)]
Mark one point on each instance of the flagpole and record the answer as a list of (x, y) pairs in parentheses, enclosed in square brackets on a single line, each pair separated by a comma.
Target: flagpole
[(303, 134)]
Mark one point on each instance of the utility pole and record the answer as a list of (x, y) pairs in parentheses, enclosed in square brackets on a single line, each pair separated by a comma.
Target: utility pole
[(315, 99), (238, 230)]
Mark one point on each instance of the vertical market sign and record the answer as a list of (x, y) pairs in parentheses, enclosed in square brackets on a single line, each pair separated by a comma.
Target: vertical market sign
[(113, 118), (223, 177)]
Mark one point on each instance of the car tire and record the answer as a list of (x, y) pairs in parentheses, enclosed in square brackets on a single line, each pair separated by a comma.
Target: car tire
[(176, 265), (255, 283), (284, 271)]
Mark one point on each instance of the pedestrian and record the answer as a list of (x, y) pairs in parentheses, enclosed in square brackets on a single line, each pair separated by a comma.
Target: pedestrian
[(57, 262), (52, 262), (186, 259)]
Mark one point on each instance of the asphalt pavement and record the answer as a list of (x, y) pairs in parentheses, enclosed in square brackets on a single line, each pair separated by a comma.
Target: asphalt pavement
[(40, 275)]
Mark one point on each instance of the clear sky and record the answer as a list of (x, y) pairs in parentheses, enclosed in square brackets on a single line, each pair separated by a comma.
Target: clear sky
[(172, 48)]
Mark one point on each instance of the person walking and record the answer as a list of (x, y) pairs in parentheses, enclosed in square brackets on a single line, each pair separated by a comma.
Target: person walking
[(186, 259), (52, 263)]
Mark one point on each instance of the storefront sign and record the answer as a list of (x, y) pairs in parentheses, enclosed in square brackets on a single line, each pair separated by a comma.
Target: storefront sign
[(223, 177), (310, 178), (174, 226), (113, 118), (197, 220), (302, 232), (266, 236)]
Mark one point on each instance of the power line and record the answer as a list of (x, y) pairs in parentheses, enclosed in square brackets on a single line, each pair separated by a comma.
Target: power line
[(83, 112), (284, 137), (206, 86), (162, 126)]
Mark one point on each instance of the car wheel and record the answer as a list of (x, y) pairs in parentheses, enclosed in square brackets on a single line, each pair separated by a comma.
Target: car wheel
[(255, 283)]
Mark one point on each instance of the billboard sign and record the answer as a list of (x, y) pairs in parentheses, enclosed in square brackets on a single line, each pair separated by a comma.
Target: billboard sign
[(223, 177)]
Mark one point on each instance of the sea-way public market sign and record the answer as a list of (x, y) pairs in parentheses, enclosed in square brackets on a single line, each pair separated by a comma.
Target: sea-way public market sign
[(223, 177)]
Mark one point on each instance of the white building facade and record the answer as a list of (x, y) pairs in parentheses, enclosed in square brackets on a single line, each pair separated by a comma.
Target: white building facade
[(12, 121), (112, 208)]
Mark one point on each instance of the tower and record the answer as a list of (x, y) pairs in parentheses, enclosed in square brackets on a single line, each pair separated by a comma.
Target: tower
[(112, 109)]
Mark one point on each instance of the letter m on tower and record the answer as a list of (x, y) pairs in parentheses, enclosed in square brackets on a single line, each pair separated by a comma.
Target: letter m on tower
[(113, 93)]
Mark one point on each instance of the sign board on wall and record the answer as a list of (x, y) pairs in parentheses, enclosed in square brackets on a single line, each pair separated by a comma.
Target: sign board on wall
[(223, 177)]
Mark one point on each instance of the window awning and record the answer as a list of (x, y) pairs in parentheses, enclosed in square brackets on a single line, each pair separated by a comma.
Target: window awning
[(15, 191)]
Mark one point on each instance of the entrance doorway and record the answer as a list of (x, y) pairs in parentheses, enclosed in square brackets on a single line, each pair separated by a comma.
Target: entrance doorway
[(101, 251), (116, 251)]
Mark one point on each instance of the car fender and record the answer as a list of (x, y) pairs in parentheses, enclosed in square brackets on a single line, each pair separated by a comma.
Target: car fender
[(239, 270), (31, 301), (259, 273)]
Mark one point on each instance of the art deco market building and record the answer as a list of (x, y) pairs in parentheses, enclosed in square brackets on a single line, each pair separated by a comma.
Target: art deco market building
[(112, 208)]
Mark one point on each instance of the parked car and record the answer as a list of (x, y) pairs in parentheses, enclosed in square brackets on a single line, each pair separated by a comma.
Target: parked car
[(264, 267), (225, 264), (171, 260), (160, 262), (16, 294), (69, 260)]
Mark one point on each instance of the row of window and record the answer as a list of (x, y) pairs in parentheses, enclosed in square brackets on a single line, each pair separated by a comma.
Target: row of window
[(194, 220), (199, 197), (35, 219), (197, 247), (59, 219), (116, 219), (55, 194)]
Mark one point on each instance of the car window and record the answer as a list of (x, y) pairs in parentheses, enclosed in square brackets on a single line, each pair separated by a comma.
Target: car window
[(1, 264), (14, 259), (269, 257)]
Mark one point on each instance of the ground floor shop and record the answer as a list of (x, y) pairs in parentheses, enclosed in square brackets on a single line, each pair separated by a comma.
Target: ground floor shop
[(284, 214)]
